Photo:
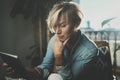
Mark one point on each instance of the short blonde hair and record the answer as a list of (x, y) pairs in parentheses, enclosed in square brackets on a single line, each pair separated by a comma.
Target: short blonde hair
[(70, 9)]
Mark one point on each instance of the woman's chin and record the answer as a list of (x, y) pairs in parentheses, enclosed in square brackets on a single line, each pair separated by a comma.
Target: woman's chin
[(62, 40)]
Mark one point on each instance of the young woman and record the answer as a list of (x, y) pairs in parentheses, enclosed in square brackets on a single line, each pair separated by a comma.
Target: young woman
[(70, 54)]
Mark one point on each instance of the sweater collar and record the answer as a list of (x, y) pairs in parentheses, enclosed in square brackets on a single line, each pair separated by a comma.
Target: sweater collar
[(73, 42)]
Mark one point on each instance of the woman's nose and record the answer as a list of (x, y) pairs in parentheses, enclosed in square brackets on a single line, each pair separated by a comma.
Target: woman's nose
[(58, 30)]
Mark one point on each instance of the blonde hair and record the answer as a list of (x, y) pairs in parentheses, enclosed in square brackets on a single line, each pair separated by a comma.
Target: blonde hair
[(70, 9)]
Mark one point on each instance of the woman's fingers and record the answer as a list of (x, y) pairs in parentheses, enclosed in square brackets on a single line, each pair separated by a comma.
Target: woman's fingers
[(8, 69)]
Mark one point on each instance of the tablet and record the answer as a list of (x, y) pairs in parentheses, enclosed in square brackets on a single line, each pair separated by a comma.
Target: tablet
[(14, 62)]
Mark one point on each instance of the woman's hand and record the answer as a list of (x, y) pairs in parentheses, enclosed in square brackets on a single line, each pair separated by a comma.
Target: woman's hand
[(57, 48), (34, 73), (8, 70)]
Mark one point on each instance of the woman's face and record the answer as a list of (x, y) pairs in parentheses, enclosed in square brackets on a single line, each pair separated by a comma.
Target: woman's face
[(63, 28)]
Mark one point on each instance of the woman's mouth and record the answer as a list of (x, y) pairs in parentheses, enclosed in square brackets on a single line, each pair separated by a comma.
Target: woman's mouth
[(61, 38)]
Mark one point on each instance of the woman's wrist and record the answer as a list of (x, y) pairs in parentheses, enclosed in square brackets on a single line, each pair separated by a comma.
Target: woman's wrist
[(59, 60), (59, 55)]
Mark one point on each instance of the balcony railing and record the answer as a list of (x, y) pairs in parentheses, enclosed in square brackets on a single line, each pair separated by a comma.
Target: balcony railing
[(110, 36)]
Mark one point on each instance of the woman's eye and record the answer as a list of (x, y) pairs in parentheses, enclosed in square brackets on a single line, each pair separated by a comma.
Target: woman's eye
[(63, 25)]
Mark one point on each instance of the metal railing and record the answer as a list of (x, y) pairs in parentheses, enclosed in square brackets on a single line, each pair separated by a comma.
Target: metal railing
[(109, 36)]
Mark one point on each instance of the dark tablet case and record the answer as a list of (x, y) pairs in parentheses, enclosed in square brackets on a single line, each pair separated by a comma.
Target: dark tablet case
[(14, 62)]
